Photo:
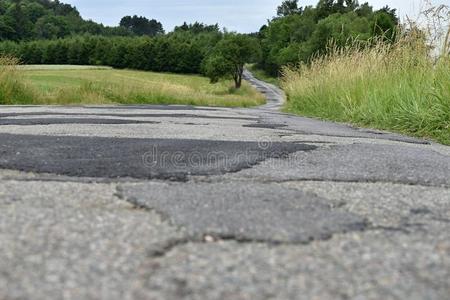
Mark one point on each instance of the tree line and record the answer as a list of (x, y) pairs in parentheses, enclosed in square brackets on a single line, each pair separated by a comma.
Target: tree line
[(45, 19), (297, 33), (176, 52)]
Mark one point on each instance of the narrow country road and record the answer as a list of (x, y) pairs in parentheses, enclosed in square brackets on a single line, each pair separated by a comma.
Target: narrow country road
[(176, 202)]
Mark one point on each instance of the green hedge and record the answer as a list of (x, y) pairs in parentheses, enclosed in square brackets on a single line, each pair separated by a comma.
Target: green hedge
[(179, 52)]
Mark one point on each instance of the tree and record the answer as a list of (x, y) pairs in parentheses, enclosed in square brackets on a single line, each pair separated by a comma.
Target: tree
[(142, 25), (384, 24), (197, 28), (7, 31), (289, 7), (292, 37), (19, 19), (326, 8), (341, 29), (279, 38), (51, 27), (230, 56), (34, 11)]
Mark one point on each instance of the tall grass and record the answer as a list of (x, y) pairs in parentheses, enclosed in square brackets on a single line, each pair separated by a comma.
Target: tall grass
[(396, 86), (67, 86), (13, 90)]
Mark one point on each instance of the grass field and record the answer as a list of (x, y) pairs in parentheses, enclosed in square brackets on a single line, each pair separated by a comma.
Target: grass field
[(102, 85), (396, 87)]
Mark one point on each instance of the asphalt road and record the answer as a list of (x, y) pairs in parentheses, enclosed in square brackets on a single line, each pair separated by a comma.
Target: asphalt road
[(175, 202)]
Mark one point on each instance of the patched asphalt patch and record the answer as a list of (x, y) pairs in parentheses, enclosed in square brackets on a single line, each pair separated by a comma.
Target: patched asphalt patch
[(98, 157), (154, 107), (126, 115), (244, 211), (362, 163), (266, 126), (51, 121)]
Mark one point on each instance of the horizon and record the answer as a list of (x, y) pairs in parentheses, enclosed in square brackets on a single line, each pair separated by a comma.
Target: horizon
[(224, 13)]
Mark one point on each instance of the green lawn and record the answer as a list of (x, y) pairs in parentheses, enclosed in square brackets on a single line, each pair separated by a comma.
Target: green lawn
[(102, 85)]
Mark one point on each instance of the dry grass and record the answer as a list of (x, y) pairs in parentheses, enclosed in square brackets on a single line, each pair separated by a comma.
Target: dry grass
[(79, 85), (396, 86), (12, 87)]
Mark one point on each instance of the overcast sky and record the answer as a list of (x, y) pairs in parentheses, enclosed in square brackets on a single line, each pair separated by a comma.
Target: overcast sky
[(235, 15)]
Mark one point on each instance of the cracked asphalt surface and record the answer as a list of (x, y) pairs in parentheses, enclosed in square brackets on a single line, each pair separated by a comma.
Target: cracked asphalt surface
[(176, 202)]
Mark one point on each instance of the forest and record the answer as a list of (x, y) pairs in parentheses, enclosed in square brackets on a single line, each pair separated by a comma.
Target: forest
[(25, 20)]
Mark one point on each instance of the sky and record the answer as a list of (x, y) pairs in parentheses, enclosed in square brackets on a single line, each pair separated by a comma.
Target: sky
[(235, 15)]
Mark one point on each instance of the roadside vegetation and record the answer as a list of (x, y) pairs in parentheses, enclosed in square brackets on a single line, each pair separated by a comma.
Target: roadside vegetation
[(75, 85), (12, 87), (402, 86)]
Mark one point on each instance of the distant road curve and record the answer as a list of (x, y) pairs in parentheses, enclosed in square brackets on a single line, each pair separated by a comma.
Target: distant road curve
[(274, 95)]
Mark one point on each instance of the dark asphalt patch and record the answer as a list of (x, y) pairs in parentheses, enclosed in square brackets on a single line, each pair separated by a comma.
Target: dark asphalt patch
[(7, 115), (377, 132), (267, 126), (137, 158), (145, 107), (244, 211), (51, 121), (154, 107)]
